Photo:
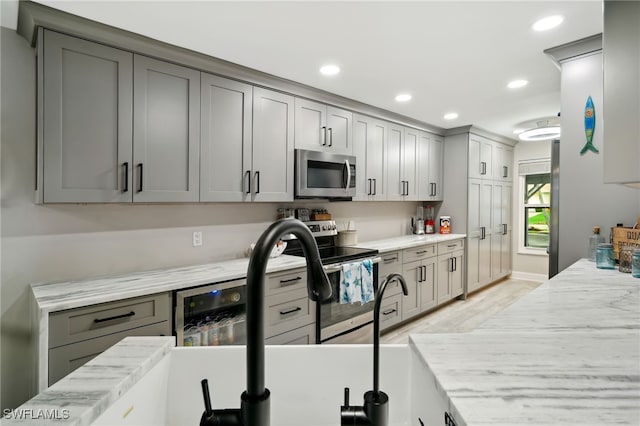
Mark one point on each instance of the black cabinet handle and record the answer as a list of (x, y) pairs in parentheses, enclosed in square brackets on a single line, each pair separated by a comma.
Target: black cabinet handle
[(389, 312), (248, 175), (451, 245), (99, 320), (505, 171), (369, 193), (324, 136), (290, 311), (330, 136), (421, 252), (375, 186), (504, 225), (482, 233), (140, 177), (291, 280), (419, 271), (455, 264), (425, 273), (390, 259), (126, 176), (257, 176)]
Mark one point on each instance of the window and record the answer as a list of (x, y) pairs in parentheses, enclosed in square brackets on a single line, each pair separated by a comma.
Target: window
[(535, 185)]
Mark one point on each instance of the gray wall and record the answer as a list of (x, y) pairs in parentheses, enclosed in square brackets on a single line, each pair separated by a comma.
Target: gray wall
[(48, 243), (585, 201)]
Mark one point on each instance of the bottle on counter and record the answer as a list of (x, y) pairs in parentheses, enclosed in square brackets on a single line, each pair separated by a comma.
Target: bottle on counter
[(604, 256), (635, 263), (594, 240)]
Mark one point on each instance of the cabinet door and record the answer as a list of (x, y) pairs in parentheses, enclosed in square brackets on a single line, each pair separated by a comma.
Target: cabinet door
[(497, 229), (457, 276), (480, 154), (87, 127), (368, 147), (506, 246), (413, 273), (436, 170), (425, 188), (486, 159), (480, 194), (429, 285), (225, 141), (396, 185), (272, 178), (166, 133), (310, 125), (445, 269), (361, 130), (391, 262), (339, 130), (409, 166)]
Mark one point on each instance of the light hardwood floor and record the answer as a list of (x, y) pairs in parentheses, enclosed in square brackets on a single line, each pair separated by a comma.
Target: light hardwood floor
[(464, 315)]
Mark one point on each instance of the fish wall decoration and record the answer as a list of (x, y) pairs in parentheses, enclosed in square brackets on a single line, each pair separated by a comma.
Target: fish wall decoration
[(589, 126)]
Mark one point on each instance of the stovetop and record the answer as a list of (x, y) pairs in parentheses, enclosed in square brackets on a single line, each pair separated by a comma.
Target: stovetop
[(330, 252)]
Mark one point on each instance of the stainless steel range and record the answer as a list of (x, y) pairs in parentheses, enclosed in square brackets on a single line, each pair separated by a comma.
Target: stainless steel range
[(336, 322)]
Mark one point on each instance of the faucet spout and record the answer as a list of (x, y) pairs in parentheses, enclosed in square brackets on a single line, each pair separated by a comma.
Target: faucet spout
[(255, 407)]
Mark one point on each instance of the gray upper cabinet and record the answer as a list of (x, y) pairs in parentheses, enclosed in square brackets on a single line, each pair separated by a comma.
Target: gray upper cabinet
[(480, 156), (225, 139), (86, 106), (321, 127), (402, 163), (271, 178), (166, 133), (436, 168), (368, 147)]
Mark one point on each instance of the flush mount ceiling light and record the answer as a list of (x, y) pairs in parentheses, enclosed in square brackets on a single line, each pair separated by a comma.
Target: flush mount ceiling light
[(451, 116), (515, 84), (547, 23), (403, 97), (539, 130), (329, 69)]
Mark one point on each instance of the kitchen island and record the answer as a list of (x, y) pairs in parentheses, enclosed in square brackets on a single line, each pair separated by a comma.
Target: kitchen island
[(567, 353)]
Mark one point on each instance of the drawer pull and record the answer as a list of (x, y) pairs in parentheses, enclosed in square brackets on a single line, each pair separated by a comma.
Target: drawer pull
[(452, 245), (421, 252), (290, 280), (99, 320), (390, 259), (290, 311), (389, 312)]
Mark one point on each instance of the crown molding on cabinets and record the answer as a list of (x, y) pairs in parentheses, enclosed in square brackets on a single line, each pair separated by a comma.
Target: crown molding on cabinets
[(480, 132), (32, 15), (576, 48)]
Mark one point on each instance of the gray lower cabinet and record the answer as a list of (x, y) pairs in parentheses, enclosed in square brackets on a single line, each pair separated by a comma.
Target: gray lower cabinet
[(289, 314), (84, 145), (450, 275), (419, 272), (225, 139), (78, 335), (166, 131), (391, 311), (271, 177)]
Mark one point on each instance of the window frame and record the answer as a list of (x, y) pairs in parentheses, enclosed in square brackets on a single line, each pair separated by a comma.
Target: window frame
[(535, 167)]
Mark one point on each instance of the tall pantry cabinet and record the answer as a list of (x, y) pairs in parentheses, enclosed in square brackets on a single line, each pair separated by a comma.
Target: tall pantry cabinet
[(479, 200)]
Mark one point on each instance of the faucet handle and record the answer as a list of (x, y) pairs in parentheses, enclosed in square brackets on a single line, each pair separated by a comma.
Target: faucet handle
[(346, 397), (207, 417), (354, 415)]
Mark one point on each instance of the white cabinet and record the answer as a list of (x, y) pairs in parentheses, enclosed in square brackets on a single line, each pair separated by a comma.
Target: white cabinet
[(321, 127), (271, 177), (368, 147), (226, 139), (621, 106), (450, 275)]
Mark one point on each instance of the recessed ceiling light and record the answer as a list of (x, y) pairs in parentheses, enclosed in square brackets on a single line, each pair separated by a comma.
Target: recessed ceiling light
[(330, 69), (517, 83), (403, 97), (540, 134), (451, 116), (547, 23)]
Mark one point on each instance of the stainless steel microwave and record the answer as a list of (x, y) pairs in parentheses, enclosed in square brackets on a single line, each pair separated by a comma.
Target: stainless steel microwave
[(324, 175)]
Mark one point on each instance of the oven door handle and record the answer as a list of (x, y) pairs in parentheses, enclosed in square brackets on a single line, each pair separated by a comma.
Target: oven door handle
[(335, 267)]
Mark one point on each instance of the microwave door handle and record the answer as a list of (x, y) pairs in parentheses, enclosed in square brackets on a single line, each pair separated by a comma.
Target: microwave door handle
[(346, 163)]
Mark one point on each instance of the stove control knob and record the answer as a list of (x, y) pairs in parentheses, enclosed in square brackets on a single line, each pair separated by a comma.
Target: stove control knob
[(324, 227)]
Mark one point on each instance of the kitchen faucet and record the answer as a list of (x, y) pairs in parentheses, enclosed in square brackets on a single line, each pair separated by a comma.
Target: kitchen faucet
[(375, 411), (254, 407)]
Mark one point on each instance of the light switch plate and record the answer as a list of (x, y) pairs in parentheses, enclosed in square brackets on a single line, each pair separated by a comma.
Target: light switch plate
[(197, 238)]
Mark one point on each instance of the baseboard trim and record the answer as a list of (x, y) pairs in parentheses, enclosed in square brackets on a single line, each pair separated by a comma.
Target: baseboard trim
[(529, 276)]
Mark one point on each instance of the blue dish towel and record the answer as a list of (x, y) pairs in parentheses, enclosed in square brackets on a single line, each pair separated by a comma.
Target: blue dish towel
[(356, 282)]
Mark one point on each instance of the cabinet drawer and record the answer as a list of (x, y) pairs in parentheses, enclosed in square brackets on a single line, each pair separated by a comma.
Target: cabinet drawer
[(75, 325), (390, 311), (64, 359), (285, 312), (300, 336), (391, 262), (286, 281), (417, 253), (450, 246)]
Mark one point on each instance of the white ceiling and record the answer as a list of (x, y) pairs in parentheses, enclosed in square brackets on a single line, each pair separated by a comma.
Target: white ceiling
[(450, 55)]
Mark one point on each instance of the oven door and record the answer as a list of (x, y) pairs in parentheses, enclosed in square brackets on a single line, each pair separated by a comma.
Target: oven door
[(337, 319)]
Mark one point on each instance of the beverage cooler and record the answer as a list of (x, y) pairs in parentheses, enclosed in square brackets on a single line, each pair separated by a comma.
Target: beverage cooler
[(211, 315)]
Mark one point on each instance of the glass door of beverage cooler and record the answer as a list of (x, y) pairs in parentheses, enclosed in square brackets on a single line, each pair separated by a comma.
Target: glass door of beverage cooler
[(211, 315)]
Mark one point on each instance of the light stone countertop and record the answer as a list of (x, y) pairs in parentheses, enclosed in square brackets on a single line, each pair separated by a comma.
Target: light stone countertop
[(52, 297), (568, 353)]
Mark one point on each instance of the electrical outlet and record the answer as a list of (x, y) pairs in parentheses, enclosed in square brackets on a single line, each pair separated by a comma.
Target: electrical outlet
[(197, 238)]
